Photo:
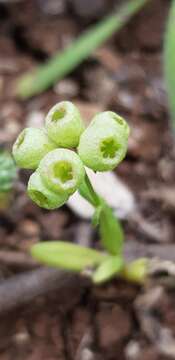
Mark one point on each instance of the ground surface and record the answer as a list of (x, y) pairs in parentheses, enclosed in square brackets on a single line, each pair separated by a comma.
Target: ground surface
[(119, 320)]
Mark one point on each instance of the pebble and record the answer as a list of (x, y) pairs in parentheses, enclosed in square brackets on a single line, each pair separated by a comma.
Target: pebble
[(89, 9)]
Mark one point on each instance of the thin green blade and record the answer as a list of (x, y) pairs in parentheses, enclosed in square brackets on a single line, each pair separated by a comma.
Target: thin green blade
[(62, 64), (169, 61)]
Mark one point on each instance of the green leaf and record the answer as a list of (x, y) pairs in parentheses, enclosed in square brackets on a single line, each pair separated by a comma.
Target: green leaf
[(169, 61), (111, 232), (62, 64), (66, 255), (108, 269)]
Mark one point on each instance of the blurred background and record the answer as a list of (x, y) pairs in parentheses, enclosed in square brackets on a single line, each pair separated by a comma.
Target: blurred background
[(124, 74)]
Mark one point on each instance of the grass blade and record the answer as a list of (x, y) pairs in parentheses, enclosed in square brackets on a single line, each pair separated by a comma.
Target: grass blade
[(169, 61), (62, 64)]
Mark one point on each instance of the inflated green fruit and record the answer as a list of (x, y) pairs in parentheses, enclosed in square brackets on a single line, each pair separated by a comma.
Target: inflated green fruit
[(41, 195), (62, 171), (103, 145), (31, 146), (109, 116), (64, 124)]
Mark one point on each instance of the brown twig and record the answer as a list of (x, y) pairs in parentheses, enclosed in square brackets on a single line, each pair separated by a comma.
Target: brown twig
[(17, 260), (21, 289)]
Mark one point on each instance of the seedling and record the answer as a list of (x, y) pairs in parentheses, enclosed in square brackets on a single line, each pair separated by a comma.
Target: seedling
[(8, 174), (61, 171)]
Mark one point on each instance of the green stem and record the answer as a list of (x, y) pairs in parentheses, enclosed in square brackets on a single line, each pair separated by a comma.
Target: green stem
[(86, 190), (111, 231), (62, 64)]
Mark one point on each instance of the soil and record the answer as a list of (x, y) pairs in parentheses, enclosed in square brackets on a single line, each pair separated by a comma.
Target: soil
[(118, 320)]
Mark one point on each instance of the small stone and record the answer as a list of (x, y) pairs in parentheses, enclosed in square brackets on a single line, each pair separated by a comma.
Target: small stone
[(150, 25), (133, 351), (35, 119), (89, 9), (144, 141), (53, 223), (108, 58), (53, 7), (21, 339), (100, 85), (127, 100), (29, 228), (67, 88)]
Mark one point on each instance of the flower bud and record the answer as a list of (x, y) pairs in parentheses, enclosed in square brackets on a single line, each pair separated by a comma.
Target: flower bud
[(103, 144), (64, 125), (42, 196), (31, 146), (62, 171)]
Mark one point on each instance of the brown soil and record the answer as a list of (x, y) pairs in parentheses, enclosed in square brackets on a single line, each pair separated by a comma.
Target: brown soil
[(119, 320)]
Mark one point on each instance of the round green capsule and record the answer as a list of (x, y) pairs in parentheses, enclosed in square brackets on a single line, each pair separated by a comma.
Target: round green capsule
[(31, 146), (103, 145), (42, 196), (108, 116), (62, 171), (64, 124)]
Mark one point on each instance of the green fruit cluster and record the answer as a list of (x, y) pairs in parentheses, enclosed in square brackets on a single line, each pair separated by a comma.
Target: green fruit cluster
[(59, 170)]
